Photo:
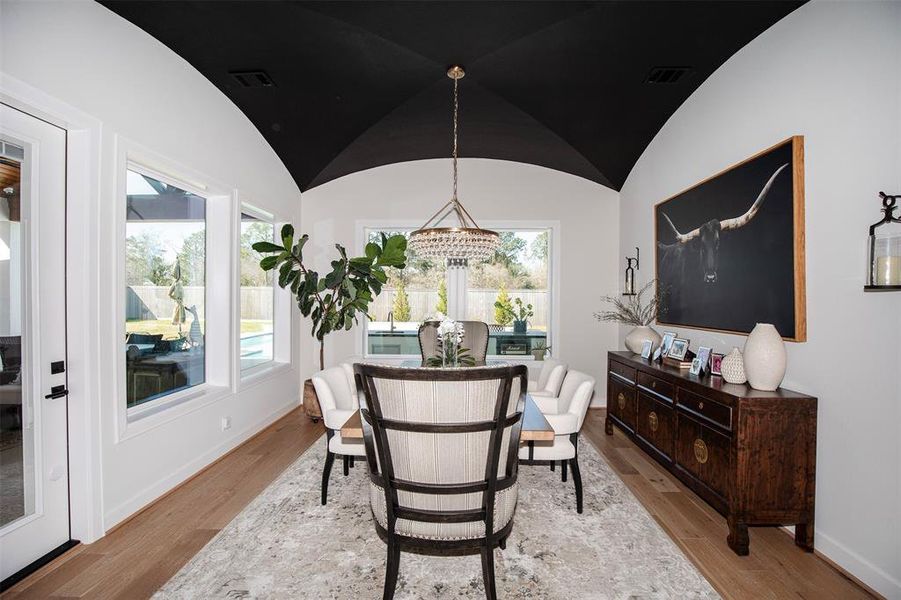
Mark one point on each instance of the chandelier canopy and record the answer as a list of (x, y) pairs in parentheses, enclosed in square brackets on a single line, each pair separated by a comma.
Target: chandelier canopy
[(466, 240)]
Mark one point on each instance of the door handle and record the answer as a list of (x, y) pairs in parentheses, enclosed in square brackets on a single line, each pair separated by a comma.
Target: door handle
[(57, 391)]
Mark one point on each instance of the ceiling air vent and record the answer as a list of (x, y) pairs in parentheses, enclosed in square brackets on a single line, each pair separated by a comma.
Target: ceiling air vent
[(252, 79), (667, 74)]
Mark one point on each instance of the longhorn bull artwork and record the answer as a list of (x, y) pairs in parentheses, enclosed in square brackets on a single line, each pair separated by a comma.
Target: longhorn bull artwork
[(730, 249)]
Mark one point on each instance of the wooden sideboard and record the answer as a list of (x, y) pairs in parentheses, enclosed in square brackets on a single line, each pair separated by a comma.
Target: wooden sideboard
[(750, 454)]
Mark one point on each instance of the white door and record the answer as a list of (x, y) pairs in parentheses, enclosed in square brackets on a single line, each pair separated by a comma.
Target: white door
[(34, 481)]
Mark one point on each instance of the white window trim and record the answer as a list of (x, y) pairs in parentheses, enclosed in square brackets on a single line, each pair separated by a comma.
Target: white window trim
[(134, 421), (459, 281), (281, 306)]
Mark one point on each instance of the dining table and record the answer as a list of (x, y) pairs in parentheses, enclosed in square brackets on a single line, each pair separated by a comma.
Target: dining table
[(535, 428)]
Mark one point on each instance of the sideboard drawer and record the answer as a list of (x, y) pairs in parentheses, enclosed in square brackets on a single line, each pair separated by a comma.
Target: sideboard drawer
[(656, 423), (621, 401), (622, 370), (656, 385), (705, 407)]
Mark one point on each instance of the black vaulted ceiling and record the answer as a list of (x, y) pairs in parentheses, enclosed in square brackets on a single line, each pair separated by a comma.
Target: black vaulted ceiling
[(363, 84)]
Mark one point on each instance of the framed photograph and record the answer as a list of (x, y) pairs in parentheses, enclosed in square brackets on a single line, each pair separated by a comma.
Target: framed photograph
[(678, 349), (695, 367), (704, 356), (658, 354), (646, 348), (716, 361), (666, 342), (722, 242)]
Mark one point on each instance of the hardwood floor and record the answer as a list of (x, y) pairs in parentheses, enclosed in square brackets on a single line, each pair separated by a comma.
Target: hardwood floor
[(140, 555), (776, 568)]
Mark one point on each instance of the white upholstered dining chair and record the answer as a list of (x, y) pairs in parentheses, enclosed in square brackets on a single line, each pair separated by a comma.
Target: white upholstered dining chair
[(572, 405), (338, 401), (441, 447), (475, 339), (550, 378)]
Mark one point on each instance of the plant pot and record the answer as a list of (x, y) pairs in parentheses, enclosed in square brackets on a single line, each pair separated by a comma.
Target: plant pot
[(539, 353), (765, 358), (636, 338), (519, 326), (311, 401)]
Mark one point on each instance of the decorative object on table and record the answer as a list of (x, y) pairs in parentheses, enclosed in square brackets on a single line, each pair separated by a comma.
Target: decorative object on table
[(704, 359), (678, 349), (732, 367), (518, 312), (679, 356), (450, 351), (646, 349), (665, 344), (540, 350), (639, 310), (765, 358), (730, 250), (337, 300), (463, 241), (632, 265), (716, 361), (884, 250)]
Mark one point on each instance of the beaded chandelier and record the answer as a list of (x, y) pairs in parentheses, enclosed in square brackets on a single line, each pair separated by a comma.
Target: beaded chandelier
[(466, 241)]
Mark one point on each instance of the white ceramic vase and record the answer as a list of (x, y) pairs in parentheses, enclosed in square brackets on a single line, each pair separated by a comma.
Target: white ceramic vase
[(733, 367), (765, 358), (635, 339)]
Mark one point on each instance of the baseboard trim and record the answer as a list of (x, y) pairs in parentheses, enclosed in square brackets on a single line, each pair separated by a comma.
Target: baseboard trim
[(847, 562), (132, 507)]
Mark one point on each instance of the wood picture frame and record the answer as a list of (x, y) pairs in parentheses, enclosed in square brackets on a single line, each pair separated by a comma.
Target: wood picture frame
[(730, 250)]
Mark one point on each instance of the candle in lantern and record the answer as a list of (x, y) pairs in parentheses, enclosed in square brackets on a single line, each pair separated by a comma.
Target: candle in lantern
[(888, 270)]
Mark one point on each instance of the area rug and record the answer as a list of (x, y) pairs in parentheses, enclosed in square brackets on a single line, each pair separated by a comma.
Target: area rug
[(286, 545)]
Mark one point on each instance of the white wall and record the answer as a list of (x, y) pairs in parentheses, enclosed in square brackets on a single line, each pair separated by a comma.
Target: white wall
[(78, 58), (493, 191), (831, 72)]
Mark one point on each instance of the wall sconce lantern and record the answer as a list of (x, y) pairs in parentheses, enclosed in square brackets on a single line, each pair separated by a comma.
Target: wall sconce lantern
[(884, 249), (631, 267)]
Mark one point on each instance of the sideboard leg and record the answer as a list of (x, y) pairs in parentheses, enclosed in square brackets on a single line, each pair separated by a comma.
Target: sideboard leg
[(738, 536), (608, 426), (804, 536)]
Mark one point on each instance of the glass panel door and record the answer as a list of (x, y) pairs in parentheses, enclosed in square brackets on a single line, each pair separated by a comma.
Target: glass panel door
[(34, 501)]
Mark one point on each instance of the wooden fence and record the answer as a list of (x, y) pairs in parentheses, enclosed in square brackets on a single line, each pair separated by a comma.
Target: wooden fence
[(146, 302)]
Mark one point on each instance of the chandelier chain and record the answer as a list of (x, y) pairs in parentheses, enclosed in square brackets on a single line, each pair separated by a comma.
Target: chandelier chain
[(454, 154)]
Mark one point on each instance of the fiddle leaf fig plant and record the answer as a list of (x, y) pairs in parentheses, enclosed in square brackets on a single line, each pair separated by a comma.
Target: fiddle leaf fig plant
[(337, 300)]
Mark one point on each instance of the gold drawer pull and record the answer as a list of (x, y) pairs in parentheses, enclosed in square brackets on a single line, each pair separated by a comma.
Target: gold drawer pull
[(652, 421), (701, 451), (621, 400), (653, 384), (700, 406)]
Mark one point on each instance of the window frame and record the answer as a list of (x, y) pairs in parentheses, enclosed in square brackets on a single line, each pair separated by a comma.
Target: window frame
[(281, 301), (457, 281), (218, 198)]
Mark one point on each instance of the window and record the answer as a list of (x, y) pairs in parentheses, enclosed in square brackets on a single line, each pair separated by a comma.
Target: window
[(165, 288), (519, 271), (257, 295), (411, 296), (517, 278)]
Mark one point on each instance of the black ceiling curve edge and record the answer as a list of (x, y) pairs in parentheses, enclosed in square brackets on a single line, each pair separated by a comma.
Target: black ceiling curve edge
[(360, 84)]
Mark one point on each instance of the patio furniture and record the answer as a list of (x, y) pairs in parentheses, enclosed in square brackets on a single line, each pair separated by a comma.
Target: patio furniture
[(441, 448)]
